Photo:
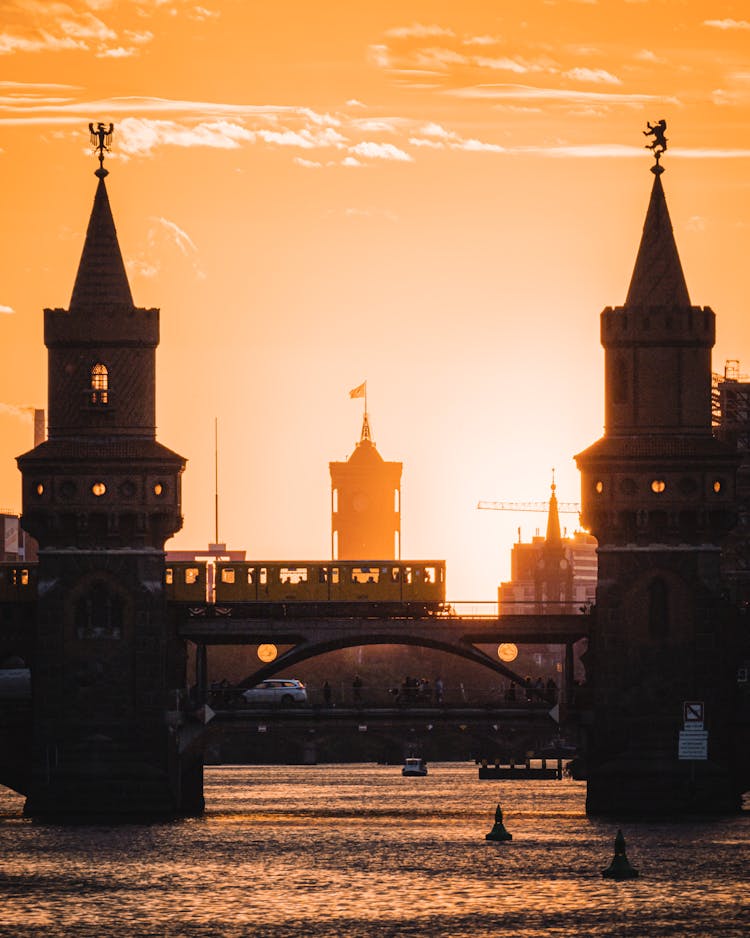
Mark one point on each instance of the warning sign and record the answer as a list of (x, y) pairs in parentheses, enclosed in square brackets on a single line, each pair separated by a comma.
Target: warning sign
[(693, 712), (693, 745)]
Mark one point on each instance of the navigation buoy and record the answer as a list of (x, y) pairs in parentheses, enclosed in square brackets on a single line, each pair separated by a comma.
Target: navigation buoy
[(620, 867), (498, 831)]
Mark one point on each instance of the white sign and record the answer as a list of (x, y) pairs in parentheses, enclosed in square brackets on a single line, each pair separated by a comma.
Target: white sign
[(693, 745)]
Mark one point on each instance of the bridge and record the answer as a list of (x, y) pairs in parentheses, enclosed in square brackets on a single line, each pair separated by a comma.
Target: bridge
[(306, 734), (463, 636)]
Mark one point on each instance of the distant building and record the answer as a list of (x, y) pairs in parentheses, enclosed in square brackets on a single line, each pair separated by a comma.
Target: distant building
[(365, 504), (551, 574), (731, 420)]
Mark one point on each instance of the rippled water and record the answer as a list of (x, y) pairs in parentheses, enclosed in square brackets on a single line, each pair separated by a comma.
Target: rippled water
[(360, 851)]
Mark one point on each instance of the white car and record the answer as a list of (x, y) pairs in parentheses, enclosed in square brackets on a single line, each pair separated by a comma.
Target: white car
[(277, 690)]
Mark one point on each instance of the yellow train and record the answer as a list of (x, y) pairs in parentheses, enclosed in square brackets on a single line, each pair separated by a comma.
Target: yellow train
[(313, 587)]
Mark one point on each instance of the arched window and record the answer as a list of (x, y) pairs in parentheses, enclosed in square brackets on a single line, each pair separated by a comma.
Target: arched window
[(99, 384)]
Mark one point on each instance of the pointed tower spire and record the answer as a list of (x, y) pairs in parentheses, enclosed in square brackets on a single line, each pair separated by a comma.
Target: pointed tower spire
[(101, 280), (553, 516), (657, 278), (366, 435)]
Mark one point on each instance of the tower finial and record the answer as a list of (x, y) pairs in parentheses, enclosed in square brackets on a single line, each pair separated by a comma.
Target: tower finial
[(659, 144), (101, 141)]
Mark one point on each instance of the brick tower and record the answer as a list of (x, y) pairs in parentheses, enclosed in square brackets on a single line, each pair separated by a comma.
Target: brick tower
[(658, 493), (101, 496), (366, 504)]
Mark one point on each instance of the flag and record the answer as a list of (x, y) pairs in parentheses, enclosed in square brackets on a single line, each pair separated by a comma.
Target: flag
[(359, 391)]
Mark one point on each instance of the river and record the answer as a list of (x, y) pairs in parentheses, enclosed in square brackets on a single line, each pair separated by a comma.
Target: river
[(358, 851)]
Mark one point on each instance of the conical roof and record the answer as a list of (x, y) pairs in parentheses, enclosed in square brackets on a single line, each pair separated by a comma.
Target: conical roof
[(101, 280), (553, 519), (658, 279)]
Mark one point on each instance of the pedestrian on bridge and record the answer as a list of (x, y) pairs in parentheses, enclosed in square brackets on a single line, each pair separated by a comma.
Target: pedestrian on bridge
[(326, 695), (357, 689)]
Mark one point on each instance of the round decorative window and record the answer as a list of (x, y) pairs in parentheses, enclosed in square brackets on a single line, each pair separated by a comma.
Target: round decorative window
[(599, 487), (39, 488), (98, 488), (267, 652), (658, 486), (717, 486), (158, 489), (127, 489)]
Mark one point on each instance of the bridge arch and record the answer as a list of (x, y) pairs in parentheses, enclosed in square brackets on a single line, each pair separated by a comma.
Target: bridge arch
[(305, 650)]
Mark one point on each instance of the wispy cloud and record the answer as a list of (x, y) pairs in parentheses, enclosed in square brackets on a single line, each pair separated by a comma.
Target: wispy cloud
[(511, 92), (35, 26), (418, 31), (595, 75), (163, 234), (5, 310), (727, 24), (380, 151)]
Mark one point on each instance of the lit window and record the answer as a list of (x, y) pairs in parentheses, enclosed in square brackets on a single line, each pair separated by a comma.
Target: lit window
[(658, 486), (40, 489), (191, 575), (227, 575), (599, 487), (99, 384), (169, 576), (98, 488), (158, 488), (716, 486)]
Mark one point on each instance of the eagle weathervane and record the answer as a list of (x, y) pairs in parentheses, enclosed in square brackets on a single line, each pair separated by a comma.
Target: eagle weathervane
[(101, 141), (659, 144)]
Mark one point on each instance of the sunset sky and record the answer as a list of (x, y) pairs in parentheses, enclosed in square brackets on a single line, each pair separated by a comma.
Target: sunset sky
[(436, 197)]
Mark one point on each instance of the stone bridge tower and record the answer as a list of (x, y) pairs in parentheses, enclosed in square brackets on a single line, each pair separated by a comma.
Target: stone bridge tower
[(101, 496), (658, 492)]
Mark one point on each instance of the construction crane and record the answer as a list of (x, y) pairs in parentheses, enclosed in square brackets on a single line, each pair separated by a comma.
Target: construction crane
[(566, 508)]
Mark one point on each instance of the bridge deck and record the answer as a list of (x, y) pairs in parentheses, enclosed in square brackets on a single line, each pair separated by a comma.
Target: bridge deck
[(228, 625)]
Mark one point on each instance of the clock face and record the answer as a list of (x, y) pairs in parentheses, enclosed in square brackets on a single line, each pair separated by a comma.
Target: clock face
[(361, 502)]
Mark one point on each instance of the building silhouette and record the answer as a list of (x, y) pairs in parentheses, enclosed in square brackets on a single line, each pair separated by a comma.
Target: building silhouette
[(101, 496), (365, 504), (551, 573), (658, 493)]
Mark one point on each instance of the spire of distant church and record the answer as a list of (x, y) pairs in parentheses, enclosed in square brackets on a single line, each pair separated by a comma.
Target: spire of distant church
[(553, 516), (657, 279), (101, 281)]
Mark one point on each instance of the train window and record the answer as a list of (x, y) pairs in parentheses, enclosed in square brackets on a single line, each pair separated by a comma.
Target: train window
[(192, 574), (429, 575), (322, 574), (227, 574), (250, 576), (20, 577), (169, 576), (408, 575), (395, 574), (365, 574), (334, 574), (293, 575), (263, 576)]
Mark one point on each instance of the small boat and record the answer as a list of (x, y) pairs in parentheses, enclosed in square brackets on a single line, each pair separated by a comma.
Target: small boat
[(414, 766)]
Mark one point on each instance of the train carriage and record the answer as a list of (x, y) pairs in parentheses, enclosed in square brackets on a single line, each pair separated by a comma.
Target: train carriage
[(186, 581)]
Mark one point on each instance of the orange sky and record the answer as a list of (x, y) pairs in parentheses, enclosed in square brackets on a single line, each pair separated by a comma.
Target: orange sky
[(436, 197)]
